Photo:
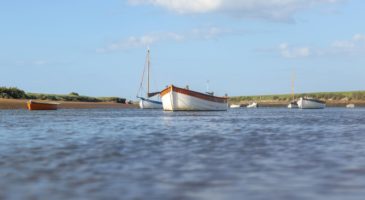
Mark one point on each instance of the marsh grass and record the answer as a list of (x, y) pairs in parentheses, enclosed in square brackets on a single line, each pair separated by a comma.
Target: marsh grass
[(327, 96), (15, 93)]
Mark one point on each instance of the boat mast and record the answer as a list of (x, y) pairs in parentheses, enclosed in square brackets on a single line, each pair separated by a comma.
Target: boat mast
[(208, 86), (292, 86), (148, 71)]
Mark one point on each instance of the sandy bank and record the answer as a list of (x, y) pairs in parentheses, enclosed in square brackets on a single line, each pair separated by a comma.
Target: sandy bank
[(21, 104)]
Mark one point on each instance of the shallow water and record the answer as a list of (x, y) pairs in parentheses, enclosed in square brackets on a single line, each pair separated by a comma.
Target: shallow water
[(137, 154)]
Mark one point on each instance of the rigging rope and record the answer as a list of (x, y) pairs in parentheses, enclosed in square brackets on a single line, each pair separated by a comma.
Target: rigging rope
[(144, 71)]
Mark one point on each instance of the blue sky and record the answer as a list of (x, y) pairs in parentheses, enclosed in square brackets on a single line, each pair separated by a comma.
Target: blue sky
[(242, 47)]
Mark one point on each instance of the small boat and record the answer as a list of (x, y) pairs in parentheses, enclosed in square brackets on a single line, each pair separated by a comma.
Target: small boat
[(235, 106), (147, 102), (350, 105), (180, 99), (293, 104), (37, 105), (311, 103), (252, 105)]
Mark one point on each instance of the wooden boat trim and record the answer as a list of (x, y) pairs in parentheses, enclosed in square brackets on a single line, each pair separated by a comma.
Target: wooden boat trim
[(165, 91), (151, 101), (193, 94), (39, 102), (38, 105)]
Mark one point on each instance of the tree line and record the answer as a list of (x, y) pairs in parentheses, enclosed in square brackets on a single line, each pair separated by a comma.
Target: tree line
[(15, 93)]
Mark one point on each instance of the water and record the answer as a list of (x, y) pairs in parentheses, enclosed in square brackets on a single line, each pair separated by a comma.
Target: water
[(136, 154)]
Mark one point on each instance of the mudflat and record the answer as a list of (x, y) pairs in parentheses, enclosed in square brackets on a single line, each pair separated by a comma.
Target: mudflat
[(22, 104)]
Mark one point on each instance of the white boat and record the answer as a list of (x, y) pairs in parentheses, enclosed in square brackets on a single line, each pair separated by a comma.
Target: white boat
[(147, 102), (350, 105), (180, 99), (293, 104), (252, 105), (235, 106), (310, 103)]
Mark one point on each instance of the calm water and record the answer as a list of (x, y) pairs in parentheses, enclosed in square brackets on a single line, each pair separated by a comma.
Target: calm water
[(136, 154)]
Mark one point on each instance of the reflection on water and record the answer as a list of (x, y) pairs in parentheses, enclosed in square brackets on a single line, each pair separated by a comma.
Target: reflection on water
[(137, 154)]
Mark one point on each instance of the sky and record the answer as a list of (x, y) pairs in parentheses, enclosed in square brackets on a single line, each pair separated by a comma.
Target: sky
[(234, 47)]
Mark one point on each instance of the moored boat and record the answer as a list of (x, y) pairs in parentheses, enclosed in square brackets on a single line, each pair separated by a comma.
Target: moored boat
[(37, 105), (310, 103), (147, 102), (293, 104), (350, 105), (180, 99), (235, 106), (252, 105)]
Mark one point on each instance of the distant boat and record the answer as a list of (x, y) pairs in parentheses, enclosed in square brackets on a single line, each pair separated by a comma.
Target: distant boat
[(235, 106), (293, 104), (311, 103), (350, 105), (252, 105), (147, 102), (180, 99), (36, 105)]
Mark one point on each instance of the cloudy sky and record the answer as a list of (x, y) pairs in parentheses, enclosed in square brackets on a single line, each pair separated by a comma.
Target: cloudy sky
[(241, 47)]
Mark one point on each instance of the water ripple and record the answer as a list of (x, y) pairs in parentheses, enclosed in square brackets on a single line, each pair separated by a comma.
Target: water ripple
[(137, 154)]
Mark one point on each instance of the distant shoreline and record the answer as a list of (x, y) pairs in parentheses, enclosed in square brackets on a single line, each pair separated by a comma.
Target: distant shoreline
[(332, 99), (285, 103), (19, 104)]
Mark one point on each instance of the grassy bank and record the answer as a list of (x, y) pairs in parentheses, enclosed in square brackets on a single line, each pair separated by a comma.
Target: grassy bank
[(15, 93), (340, 97)]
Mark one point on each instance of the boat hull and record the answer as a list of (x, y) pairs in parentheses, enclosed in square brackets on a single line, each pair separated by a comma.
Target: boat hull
[(252, 105), (293, 105), (310, 104), (235, 106), (150, 104), (179, 99), (33, 105)]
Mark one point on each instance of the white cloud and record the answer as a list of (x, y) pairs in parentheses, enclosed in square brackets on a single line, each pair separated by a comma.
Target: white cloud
[(278, 10), (130, 42), (288, 51), (343, 44), (187, 6), (358, 37), (353, 46), (153, 38)]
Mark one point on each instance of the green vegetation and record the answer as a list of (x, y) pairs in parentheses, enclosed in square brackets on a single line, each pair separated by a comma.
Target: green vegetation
[(15, 93), (55, 97), (74, 94), (12, 93), (327, 96), (112, 99)]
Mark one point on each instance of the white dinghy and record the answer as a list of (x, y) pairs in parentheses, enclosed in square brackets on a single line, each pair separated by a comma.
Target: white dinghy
[(147, 102)]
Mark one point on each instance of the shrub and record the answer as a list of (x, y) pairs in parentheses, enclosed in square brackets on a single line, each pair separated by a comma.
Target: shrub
[(74, 94), (113, 99), (12, 92)]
